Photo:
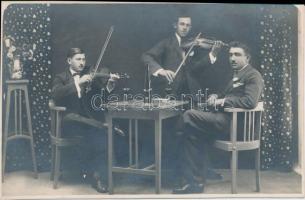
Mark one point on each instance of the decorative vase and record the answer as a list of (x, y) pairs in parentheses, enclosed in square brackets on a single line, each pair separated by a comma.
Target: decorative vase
[(17, 55), (16, 69)]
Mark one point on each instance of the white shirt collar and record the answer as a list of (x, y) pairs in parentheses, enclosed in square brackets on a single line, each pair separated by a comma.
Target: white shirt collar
[(72, 71), (242, 68)]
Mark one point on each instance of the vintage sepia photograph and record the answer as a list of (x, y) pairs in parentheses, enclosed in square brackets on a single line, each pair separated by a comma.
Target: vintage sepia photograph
[(152, 100)]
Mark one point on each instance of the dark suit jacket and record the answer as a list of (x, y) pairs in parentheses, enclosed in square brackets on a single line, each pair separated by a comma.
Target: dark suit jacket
[(168, 55), (244, 90), (64, 93)]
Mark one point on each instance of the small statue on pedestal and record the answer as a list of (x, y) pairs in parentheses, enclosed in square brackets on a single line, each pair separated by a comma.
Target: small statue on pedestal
[(17, 56)]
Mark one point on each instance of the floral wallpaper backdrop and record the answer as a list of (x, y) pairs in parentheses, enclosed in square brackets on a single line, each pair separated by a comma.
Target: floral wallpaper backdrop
[(277, 64), (28, 26)]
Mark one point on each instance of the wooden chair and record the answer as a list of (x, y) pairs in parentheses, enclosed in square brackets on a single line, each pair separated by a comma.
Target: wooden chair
[(57, 141), (250, 141)]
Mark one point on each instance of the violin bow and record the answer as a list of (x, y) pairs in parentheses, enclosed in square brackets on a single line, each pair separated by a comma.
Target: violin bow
[(101, 56), (187, 54), (103, 50)]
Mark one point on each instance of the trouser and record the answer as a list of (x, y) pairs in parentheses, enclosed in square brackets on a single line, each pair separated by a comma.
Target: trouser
[(200, 129), (92, 152)]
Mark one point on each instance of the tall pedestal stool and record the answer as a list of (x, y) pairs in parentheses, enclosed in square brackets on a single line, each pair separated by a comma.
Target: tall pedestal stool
[(15, 127)]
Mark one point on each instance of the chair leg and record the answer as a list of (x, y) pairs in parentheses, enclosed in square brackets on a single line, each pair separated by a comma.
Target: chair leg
[(4, 159), (257, 169), (56, 167), (234, 162), (52, 162)]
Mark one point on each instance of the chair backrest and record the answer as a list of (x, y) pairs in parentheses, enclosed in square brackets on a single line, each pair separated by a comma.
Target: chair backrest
[(56, 118), (251, 122)]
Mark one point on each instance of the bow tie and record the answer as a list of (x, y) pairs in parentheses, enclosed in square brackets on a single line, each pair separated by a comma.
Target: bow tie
[(76, 73)]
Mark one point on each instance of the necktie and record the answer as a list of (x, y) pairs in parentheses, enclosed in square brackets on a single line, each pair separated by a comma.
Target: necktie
[(182, 41), (235, 78)]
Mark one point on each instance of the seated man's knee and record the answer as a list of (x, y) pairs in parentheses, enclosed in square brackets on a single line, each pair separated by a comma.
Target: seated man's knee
[(187, 116)]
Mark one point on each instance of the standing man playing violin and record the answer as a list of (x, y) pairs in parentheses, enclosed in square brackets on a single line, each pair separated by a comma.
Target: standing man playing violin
[(69, 90), (165, 57)]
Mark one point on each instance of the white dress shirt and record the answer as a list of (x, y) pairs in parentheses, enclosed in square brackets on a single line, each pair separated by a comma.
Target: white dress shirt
[(76, 82), (110, 84)]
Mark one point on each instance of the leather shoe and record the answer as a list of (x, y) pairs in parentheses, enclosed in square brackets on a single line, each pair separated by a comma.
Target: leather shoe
[(189, 188), (212, 175), (99, 185), (84, 176)]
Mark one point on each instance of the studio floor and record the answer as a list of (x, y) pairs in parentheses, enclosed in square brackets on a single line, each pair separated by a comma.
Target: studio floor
[(22, 183)]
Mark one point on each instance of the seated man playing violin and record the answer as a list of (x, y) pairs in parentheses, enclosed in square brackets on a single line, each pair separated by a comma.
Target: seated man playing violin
[(70, 89)]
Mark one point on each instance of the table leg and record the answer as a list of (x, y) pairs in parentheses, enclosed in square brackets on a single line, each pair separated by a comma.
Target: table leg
[(110, 154), (130, 143), (136, 145), (158, 144)]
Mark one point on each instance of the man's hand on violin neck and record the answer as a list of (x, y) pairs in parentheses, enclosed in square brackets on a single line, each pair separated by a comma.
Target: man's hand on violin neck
[(85, 78), (217, 47), (114, 77), (168, 74)]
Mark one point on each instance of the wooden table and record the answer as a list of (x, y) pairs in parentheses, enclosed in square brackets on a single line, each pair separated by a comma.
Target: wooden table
[(134, 111)]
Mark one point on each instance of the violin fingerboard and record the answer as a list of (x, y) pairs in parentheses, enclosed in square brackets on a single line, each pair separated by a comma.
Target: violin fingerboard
[(123, 76)]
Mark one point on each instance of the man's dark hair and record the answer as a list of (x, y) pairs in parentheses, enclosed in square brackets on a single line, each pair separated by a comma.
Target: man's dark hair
[(182, 13), (242, 46), (74, 51), (182, 16)]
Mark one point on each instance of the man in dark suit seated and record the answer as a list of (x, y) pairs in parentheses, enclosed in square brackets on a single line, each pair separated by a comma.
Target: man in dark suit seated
[(70, 90), (201, 128)]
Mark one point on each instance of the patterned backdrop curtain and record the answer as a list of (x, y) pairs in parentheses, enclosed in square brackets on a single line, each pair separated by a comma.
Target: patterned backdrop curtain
[(277, 63), (30, 24)]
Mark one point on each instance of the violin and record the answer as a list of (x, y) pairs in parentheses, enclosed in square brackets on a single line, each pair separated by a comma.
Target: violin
[(105, 74), (111, 75), (200, 42)]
